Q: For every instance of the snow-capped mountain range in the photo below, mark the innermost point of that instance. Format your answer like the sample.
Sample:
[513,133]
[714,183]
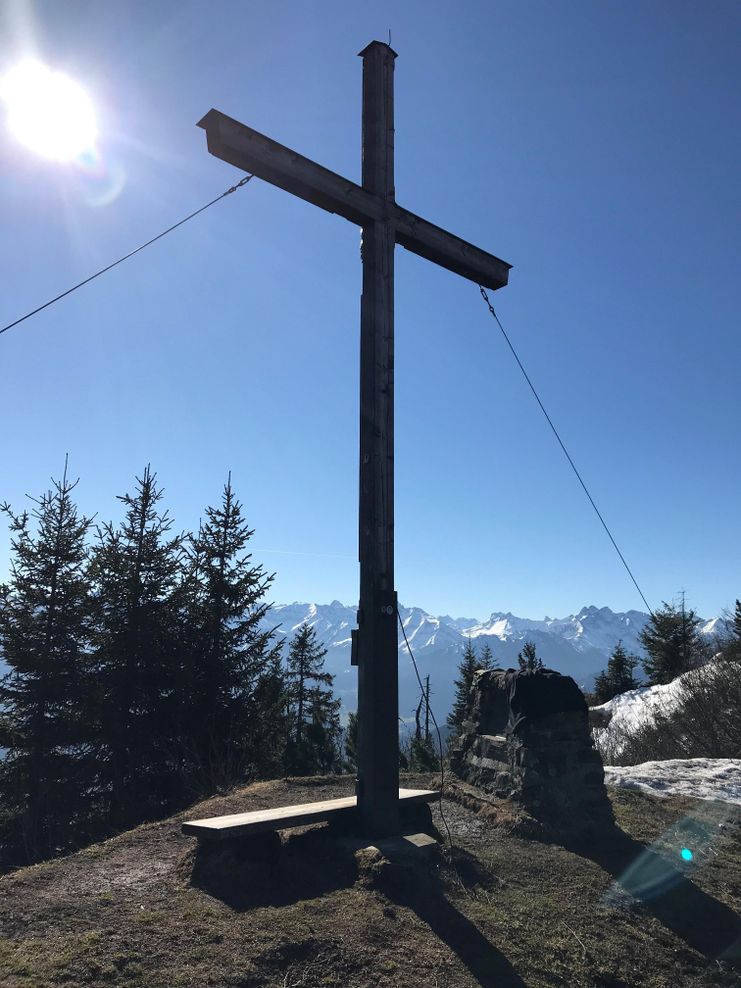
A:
[578,645]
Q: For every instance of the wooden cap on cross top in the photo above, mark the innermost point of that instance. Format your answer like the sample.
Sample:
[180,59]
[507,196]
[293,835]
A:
[377,44]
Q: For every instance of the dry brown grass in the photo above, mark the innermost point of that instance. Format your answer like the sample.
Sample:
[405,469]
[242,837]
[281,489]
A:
[143,910]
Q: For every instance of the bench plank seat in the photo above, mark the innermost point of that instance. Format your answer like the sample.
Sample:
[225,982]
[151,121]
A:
[283,817]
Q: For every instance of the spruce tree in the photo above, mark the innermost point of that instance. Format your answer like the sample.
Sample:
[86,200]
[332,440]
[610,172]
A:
[619,677]
[422,754]
[323,732]
[673,643]
[136,571]
[44,635]
[188,614]
[528,659]
[728,642]
[269,718]
[351,741]
[314,720]
[733,647]
[486,661]
[622,666]
[468,666]
[236,714]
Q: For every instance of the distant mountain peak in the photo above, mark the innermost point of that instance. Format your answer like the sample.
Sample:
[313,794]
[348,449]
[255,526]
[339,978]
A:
[578,645]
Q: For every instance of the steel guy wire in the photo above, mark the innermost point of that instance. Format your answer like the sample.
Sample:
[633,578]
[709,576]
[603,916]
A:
[131,253]
[434,721]
[525,374]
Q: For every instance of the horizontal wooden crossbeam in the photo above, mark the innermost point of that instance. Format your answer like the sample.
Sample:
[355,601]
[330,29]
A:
[284,817]
[251,151]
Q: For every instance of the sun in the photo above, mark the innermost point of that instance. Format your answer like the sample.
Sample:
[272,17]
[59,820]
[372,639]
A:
[48,112]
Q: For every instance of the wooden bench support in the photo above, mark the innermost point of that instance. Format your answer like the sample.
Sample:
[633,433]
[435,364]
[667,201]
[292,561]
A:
[416,817]
[284,817]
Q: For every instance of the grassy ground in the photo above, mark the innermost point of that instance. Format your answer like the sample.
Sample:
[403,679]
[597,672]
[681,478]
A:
[143,910]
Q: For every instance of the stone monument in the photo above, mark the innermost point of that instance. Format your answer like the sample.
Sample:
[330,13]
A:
[526,737]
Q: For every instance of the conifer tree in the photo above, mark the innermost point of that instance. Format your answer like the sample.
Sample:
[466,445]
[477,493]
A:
[351,741]
[619,677]
[422,755]
[188,613]
[468,666]
[731,645]
[486,661]
[270,718]
[728,642]
[136,571]
[237,706]
[44,629]
[323,732]
[673,643]
[528,659]
[314,721]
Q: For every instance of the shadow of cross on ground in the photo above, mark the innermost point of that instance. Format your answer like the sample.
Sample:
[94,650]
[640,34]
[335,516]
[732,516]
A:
[648,876]
[316,862]
[423,891]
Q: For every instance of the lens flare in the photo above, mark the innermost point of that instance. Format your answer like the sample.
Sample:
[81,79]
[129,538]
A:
[686,854]
[48,112]
[98,181]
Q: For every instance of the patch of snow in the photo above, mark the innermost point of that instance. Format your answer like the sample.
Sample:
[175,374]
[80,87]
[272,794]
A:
[701,778]
[631,710]
[714,627]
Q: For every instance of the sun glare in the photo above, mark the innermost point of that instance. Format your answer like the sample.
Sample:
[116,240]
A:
[48,112]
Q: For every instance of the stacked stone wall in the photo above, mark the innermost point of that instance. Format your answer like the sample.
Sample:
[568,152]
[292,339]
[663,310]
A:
[543,757]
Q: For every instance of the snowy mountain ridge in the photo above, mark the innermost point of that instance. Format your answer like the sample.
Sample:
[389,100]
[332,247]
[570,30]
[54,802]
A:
[598,627]
[578,644]
[591,627]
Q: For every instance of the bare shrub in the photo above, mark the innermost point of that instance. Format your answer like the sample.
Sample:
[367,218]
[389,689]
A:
[705,723]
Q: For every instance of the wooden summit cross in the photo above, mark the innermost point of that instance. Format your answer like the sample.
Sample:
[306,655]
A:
[373,207]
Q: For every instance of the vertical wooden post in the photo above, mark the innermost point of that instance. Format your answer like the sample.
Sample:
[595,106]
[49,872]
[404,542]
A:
[378,675]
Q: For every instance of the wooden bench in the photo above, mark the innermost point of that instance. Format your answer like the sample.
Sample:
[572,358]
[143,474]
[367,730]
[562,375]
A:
[283,817]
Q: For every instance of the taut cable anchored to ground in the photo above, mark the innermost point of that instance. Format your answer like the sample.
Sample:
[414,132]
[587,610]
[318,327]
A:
[426,697]
[566,453]
[131,253]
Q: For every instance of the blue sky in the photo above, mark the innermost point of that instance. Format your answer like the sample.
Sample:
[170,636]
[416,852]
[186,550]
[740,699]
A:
[595,146]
